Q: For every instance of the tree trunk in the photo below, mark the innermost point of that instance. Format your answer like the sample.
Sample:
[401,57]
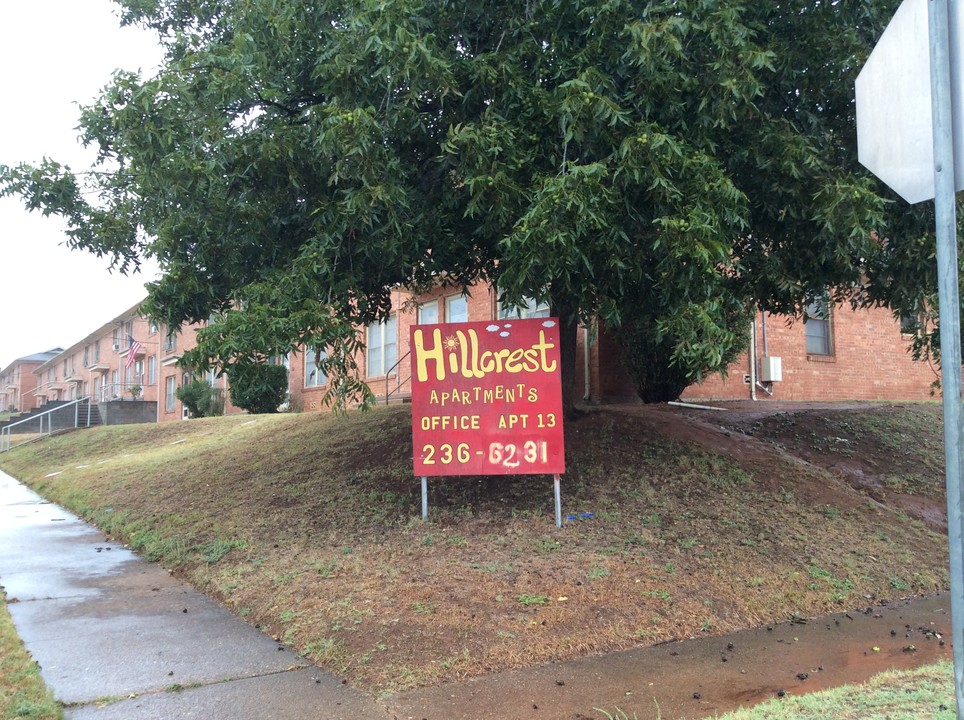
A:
[568,325]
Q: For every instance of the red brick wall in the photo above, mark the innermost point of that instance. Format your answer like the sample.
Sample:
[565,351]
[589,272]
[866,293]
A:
[869,361]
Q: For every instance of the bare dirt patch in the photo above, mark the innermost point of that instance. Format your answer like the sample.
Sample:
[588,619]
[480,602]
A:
[685,523]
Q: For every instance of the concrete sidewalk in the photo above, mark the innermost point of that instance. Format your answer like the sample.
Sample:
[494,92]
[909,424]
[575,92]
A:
[118,638]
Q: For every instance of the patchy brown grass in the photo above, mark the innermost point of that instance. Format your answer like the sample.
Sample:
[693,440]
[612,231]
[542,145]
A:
[308,526]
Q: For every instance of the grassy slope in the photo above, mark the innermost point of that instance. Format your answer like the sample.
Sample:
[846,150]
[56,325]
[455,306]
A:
[309,526]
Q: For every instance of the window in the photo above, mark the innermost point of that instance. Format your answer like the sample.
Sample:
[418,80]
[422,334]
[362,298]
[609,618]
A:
[152,328]
[314,375]
[910,324]
[428,313]
[170,342]
[456,309]
[138,372]
[170,386]
[151,370]
[529,309]
[382,348]
[817,324]
[211,377]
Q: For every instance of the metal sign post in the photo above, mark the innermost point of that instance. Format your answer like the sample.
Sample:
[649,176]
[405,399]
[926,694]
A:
[949,307]
[897,127]
[424,498]
[558,494]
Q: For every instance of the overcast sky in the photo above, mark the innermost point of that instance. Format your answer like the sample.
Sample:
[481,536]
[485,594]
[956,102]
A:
[54,55]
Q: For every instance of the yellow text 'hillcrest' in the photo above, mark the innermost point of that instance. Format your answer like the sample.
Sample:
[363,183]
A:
[465,358]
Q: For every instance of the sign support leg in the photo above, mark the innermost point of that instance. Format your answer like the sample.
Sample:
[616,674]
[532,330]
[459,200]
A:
[558,493]
[424,498]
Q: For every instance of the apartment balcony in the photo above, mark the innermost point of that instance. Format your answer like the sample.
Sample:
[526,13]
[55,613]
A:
[100,366]
[139,354]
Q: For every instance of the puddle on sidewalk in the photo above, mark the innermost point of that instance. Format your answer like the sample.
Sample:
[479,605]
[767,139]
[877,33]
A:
[703,677]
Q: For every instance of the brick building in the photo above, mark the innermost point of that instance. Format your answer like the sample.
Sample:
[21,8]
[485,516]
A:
[18,382]
[838,354]
[100,367]
[95,366]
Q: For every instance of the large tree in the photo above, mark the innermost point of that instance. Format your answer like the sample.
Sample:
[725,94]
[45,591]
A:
[291,163]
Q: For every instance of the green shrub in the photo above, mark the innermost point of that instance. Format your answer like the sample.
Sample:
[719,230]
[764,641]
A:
[201,399]
[258,388]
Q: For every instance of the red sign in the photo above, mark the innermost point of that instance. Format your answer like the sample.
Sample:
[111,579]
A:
[486,398]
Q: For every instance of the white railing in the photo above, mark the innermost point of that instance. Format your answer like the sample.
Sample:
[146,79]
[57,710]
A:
[62,417]
[120,391]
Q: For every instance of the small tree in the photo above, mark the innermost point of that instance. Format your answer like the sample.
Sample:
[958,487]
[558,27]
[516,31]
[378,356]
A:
[256,387]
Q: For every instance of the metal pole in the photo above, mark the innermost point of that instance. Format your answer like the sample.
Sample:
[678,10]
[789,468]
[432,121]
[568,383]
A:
[424,498]
[950,320]
[558,494]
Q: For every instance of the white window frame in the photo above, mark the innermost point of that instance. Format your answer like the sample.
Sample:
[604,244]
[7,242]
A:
[170,387]
[382,347]
[451,310]
[531,309]
[819,327]
[314,375]
[430,308]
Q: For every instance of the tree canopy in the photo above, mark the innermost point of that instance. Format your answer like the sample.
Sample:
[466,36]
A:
[664,162]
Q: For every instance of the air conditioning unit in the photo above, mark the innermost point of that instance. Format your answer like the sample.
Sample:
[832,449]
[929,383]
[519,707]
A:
[116,347]
[771,369]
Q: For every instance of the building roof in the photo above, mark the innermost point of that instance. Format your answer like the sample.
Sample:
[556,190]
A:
[38,357]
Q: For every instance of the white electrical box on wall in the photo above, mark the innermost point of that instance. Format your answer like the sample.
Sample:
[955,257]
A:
[771,370]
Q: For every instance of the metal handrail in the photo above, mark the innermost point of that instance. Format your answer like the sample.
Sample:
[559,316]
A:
[6,431]
[398,380]
[40,388]
[118,390]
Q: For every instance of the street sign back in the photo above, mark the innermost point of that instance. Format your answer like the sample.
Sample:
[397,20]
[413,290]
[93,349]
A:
[895,138]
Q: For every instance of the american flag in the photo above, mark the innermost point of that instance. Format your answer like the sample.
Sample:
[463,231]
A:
[133,347]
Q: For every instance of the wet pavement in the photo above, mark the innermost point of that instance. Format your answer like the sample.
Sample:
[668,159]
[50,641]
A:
[118,638]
